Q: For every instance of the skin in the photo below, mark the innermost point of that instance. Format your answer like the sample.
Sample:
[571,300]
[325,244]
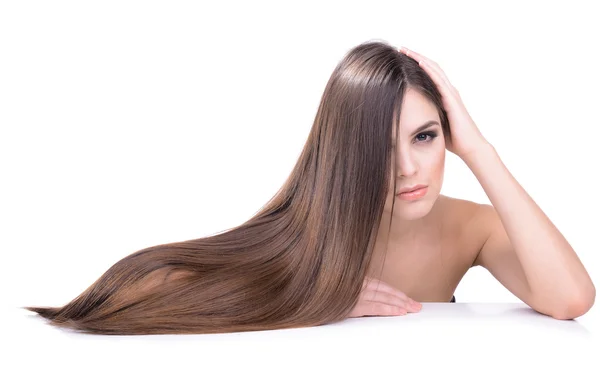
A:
[420,161]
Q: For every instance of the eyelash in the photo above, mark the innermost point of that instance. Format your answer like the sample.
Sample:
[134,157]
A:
[431,134]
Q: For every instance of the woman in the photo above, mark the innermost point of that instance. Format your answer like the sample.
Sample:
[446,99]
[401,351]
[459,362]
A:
[341,238]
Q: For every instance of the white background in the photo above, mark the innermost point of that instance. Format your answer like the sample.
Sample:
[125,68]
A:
[129,124]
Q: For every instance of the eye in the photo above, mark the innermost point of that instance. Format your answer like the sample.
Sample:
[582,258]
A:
[431,134]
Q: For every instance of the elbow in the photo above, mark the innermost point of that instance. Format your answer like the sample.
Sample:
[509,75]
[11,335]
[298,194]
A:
[577,306]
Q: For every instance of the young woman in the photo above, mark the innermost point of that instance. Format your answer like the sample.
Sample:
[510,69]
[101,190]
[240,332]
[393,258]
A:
[358,229]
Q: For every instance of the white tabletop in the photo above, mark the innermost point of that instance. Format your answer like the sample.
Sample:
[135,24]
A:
[461,334]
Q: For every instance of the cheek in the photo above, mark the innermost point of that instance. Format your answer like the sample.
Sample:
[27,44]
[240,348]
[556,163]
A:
[434,153]
[439,164]
[434,161]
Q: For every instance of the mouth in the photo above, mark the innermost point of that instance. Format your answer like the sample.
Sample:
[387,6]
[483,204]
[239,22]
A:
[410,189]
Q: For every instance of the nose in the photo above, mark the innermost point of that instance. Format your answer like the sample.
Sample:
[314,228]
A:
[407,165]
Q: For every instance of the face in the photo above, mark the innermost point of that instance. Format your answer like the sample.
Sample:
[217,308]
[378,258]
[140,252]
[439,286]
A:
[420,157]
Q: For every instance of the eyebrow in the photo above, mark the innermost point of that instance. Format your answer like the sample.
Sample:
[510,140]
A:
[426,125]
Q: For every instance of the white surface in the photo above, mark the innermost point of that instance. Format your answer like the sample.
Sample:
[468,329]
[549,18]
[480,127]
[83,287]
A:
[477,334]
[126,124]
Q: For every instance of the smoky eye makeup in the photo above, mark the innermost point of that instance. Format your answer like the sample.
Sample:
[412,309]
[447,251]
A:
[432,134]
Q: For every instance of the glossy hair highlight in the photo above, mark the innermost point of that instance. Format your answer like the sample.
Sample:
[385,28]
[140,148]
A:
[301,260]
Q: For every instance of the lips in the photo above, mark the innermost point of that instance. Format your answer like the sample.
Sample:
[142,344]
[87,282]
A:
[409,189]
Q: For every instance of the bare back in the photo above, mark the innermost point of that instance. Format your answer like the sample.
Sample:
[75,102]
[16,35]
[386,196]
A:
[429,267]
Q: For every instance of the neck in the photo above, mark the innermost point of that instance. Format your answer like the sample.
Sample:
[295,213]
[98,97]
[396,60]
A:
[401,230]
[406,231]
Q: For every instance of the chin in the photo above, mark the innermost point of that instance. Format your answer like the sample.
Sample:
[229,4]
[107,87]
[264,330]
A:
[409,210]
[412,213]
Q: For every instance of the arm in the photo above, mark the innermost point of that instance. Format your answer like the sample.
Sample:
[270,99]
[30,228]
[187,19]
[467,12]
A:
[524,250]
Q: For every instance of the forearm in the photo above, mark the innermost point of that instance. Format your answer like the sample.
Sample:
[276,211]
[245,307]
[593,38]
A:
[552,268]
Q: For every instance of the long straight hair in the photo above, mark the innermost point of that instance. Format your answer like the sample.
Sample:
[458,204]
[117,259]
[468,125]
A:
[300,261]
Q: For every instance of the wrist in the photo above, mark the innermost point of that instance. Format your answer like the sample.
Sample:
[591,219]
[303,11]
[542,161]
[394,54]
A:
[481,151]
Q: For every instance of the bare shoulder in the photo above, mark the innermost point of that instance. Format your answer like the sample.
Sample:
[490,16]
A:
[458,212]
[465,218]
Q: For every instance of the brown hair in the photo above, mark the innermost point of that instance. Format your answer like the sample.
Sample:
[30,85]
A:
[301,259]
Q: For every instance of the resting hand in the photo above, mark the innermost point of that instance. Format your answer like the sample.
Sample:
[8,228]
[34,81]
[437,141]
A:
[380,299]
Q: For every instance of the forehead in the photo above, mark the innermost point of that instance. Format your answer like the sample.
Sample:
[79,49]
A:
[416,110]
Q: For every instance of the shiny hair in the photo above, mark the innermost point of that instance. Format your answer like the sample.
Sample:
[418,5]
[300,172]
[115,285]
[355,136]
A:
[301,260]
